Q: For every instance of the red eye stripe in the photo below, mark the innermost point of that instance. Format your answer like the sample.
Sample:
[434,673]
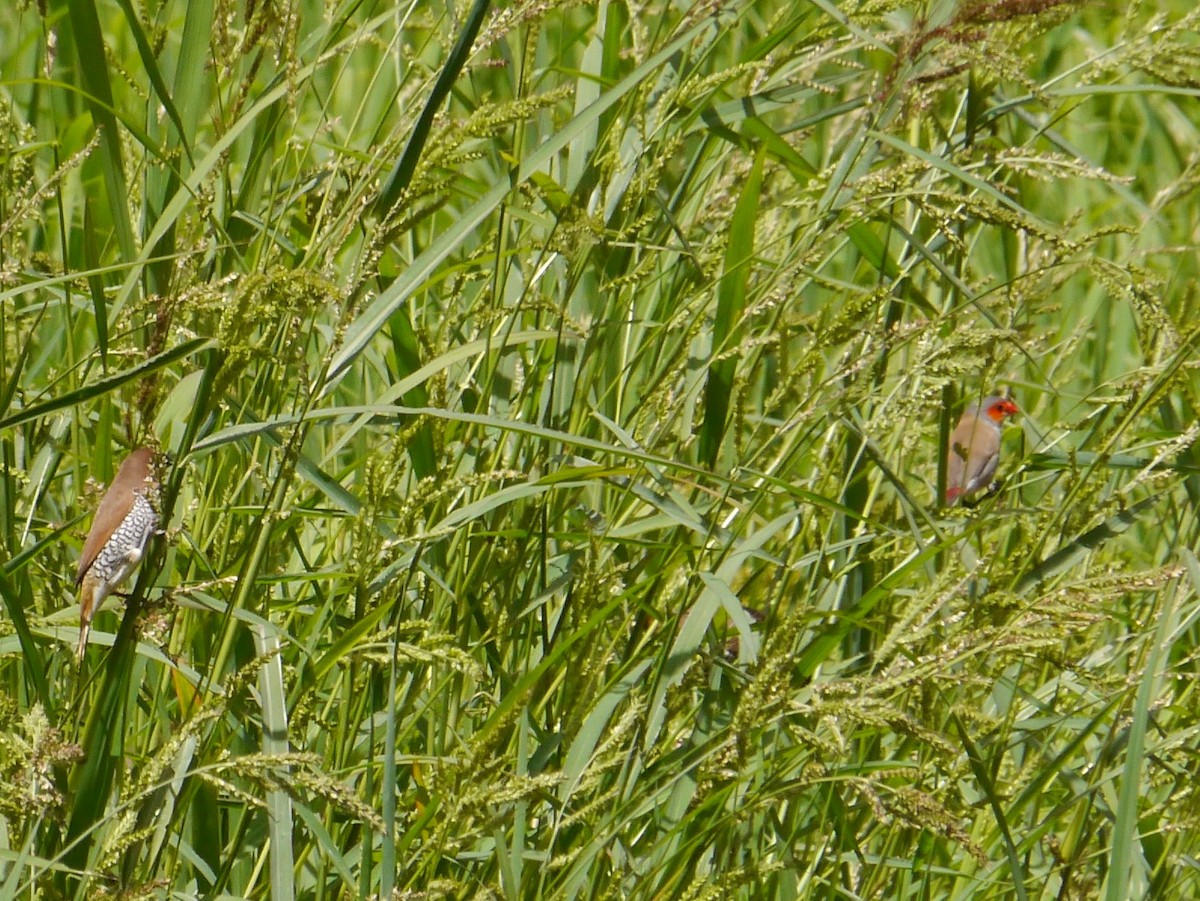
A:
[1001,409]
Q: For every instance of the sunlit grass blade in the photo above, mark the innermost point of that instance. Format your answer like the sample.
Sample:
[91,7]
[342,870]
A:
[1080,546]
[557,399]
[280,822]
[371,321]
[1016,871]
[1124,879]
[89,44]
[35,664]
[402,174]
[731,304]
[103,386]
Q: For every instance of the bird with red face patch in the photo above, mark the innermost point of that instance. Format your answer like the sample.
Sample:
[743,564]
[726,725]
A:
[974,450]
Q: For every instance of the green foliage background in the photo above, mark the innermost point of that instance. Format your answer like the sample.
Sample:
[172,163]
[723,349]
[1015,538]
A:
[556,396]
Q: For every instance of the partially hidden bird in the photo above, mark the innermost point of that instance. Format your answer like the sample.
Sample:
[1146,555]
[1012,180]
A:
[974,450]
[124,522]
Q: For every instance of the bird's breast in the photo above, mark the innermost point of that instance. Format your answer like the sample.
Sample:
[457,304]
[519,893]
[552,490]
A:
[125,546]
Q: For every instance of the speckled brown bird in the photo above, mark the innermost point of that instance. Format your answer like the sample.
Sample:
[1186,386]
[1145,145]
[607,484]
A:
[124,521]
[974,450]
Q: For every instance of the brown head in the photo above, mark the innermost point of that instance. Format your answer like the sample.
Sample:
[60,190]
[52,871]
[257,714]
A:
[136,475]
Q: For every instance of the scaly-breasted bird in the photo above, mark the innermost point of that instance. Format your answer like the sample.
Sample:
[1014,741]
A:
[124,521]
[975,447]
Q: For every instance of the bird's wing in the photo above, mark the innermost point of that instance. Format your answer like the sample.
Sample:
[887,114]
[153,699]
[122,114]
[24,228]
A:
[111,513]
[983,458]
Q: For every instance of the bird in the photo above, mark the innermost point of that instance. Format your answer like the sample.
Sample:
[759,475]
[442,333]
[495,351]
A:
[124,522]
[974,448]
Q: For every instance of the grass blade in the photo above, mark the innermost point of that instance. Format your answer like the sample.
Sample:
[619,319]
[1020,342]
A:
[731,304]
[402,174]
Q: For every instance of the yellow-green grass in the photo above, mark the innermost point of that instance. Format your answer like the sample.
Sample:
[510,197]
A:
[514,361]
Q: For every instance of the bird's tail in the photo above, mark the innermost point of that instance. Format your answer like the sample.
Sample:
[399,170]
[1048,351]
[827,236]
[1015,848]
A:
[87,606]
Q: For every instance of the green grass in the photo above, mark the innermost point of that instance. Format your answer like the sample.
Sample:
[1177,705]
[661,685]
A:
[556,396]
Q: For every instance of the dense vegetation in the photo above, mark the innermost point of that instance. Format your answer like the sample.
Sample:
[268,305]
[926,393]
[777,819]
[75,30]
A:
[557,397]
